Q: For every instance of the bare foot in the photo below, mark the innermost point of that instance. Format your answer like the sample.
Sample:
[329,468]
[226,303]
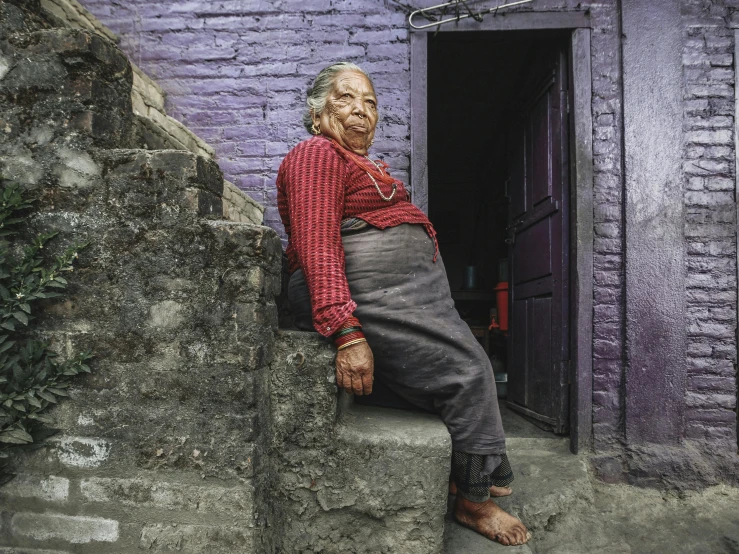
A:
[491,521]
[495,492]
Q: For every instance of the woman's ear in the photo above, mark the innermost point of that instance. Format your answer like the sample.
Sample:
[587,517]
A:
[316,128]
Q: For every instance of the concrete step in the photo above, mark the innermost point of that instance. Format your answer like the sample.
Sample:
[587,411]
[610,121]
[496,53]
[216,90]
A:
[353,480]
[550,481]
[395,471]
[551,484]
[361,479]
[161,186]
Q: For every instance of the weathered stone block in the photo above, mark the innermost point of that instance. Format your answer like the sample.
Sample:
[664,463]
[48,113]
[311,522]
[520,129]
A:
[184,168]
[335,480]
[71,529]
[48,488]
[195,539]
[175,496]
[94,74]
[303,390]
[81,452]
[71,43]
[20,550]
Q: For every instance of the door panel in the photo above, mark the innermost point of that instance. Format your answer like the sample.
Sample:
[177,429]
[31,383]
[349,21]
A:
[541,175]
[518,172]
[538,229]
[540,382]
[537,238]
[518,345]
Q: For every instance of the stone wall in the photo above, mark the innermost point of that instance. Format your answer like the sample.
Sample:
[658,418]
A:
[159,447]
[202,428]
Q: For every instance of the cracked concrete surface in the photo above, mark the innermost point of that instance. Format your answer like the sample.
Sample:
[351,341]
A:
[570,513]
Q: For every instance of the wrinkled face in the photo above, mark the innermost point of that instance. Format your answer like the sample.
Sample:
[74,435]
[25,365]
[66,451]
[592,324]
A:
[350,115]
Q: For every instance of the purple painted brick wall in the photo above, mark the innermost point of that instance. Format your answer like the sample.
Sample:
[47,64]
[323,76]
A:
[236,73]
[710,230]
[608,260]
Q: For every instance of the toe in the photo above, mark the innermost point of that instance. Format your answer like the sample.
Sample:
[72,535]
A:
[520,534]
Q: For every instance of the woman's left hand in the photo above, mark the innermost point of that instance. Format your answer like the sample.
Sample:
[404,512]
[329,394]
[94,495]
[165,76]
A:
[355,368]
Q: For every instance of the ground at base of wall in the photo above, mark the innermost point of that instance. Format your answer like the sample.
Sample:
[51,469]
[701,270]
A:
[630,520]
[571,512]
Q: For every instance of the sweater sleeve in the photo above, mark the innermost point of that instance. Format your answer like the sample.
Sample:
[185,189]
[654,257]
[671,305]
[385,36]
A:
[314,180]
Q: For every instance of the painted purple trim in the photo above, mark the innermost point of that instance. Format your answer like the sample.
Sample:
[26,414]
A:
[581,260]
[656,336]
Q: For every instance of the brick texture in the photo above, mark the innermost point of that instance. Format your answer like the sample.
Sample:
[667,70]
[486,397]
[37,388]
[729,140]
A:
[710,222]
[608,262]
[236,73]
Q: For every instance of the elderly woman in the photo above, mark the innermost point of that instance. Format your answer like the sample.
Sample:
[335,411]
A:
[366,272]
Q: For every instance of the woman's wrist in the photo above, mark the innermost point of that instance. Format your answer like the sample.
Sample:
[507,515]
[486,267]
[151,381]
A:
[349,334]
[351,343]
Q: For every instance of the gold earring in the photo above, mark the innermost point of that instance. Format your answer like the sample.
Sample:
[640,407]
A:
[316,130]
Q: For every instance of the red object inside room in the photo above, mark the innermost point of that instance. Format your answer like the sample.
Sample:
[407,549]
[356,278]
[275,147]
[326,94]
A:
[501,300]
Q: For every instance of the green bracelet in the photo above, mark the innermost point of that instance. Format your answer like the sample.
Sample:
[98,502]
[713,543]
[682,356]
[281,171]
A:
[346,331]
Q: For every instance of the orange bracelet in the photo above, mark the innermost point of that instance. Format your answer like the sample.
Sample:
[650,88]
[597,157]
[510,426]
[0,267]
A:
[352,343]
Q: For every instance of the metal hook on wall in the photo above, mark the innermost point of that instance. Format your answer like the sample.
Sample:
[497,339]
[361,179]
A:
[457,3]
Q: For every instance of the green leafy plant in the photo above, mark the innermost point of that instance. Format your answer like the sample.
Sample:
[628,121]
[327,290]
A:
[32,376]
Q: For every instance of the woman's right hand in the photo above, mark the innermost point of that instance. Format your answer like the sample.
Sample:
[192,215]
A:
[355,368]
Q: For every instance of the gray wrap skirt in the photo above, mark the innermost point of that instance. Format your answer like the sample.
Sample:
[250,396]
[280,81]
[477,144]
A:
[424,352]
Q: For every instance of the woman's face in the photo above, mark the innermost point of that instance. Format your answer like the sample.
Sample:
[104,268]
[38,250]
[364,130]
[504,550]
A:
[350,115]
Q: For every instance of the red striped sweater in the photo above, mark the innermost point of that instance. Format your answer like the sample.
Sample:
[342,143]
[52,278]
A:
[318,185]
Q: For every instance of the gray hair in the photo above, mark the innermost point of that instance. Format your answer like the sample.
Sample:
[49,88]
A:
[322,86]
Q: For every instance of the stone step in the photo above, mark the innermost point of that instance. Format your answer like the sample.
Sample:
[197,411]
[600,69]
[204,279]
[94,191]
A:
[357,480]
[67,80]
[551,484]
[78,77]
[155,129]
[159,186]
[74,78]
[370,478]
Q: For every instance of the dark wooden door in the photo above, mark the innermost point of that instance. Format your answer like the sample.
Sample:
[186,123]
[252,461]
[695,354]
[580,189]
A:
[539,244]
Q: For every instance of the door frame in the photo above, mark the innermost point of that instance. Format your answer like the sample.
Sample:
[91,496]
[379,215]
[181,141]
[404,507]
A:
[581,183]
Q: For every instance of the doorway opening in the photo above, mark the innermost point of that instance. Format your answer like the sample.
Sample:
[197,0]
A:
[498,196]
